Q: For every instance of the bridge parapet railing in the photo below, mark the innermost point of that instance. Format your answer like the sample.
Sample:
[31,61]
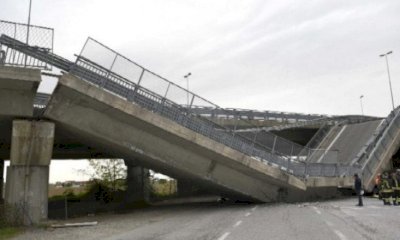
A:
[40,37]
[115,73]
[157,103]
[373,153]
[250,114]
[119,75]
[362,157]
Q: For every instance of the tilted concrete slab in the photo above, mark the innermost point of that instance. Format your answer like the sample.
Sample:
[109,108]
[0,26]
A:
[380,159]
[347,141]
[127,130]
[17,90]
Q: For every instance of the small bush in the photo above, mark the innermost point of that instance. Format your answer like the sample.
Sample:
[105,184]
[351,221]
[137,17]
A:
[99,192]
[11,215]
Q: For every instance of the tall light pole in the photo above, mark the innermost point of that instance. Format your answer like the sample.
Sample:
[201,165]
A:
[362,109]
[187,81]
[387,66]
[27,31]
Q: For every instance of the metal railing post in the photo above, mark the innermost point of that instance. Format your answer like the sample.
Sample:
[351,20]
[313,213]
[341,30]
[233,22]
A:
[273,145]
[141,76]
[254,142]
[305,168]
[235,120]
[290,157]
[191,102]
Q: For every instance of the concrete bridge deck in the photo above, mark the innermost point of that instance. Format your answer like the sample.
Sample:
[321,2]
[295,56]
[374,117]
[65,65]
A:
[129,131]
[346,140]
[194,157]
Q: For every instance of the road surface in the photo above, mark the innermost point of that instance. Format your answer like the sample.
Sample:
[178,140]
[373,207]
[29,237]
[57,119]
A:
[331,220]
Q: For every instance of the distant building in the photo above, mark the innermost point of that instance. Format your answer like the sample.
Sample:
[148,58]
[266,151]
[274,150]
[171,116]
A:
[71,184]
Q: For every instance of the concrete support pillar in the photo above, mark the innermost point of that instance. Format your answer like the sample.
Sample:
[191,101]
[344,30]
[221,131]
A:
[138,183]
[185,188]
[1,179]
[28,174]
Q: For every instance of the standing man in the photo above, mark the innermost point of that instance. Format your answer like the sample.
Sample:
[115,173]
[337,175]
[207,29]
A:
[396,188]
[386,189]
[358,189]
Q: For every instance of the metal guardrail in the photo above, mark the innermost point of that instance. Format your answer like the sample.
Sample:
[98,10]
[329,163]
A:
[371,154]
[362,157]
[320,135]
[249,114]
[166,99]
[315,122]
[41,100]
[40,54]
[132,92]
[131,77]
[40,37]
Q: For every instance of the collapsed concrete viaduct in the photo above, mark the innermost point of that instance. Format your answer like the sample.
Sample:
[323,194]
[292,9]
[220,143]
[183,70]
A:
[127,131]
[96,113]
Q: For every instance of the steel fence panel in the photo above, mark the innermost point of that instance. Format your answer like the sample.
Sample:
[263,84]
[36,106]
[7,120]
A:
[40,37]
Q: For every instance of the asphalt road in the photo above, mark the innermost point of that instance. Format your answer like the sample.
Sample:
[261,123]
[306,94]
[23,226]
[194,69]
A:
[336,220]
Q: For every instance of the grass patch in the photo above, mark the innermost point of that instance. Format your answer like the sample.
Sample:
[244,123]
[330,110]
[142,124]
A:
[9,232]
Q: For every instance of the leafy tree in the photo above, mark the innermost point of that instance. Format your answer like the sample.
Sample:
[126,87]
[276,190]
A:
[109,172]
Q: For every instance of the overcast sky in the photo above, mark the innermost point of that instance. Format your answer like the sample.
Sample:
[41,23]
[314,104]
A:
[299,56]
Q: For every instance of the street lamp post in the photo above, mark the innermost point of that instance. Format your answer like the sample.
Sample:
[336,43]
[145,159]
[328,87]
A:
[362,108]
[387,66]
[187,82]
[27,30]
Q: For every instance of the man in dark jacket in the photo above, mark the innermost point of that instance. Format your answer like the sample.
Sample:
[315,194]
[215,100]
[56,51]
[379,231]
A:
[358,189]
[396,189]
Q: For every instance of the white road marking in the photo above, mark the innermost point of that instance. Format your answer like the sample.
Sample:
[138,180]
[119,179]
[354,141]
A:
[316,210]
[237,223]
[225,235]
[340,234]
[333,142]
[247,214]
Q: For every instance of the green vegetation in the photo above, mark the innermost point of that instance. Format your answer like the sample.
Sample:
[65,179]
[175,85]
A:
[6,229]
[163,188]
[108,173]
[8,232]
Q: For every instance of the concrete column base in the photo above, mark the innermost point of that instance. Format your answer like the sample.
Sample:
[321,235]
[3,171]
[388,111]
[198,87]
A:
[186,188]
[26,196]
[138,184]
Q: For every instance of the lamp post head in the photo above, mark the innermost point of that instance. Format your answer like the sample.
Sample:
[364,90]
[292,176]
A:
[187,75]
[385,54]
